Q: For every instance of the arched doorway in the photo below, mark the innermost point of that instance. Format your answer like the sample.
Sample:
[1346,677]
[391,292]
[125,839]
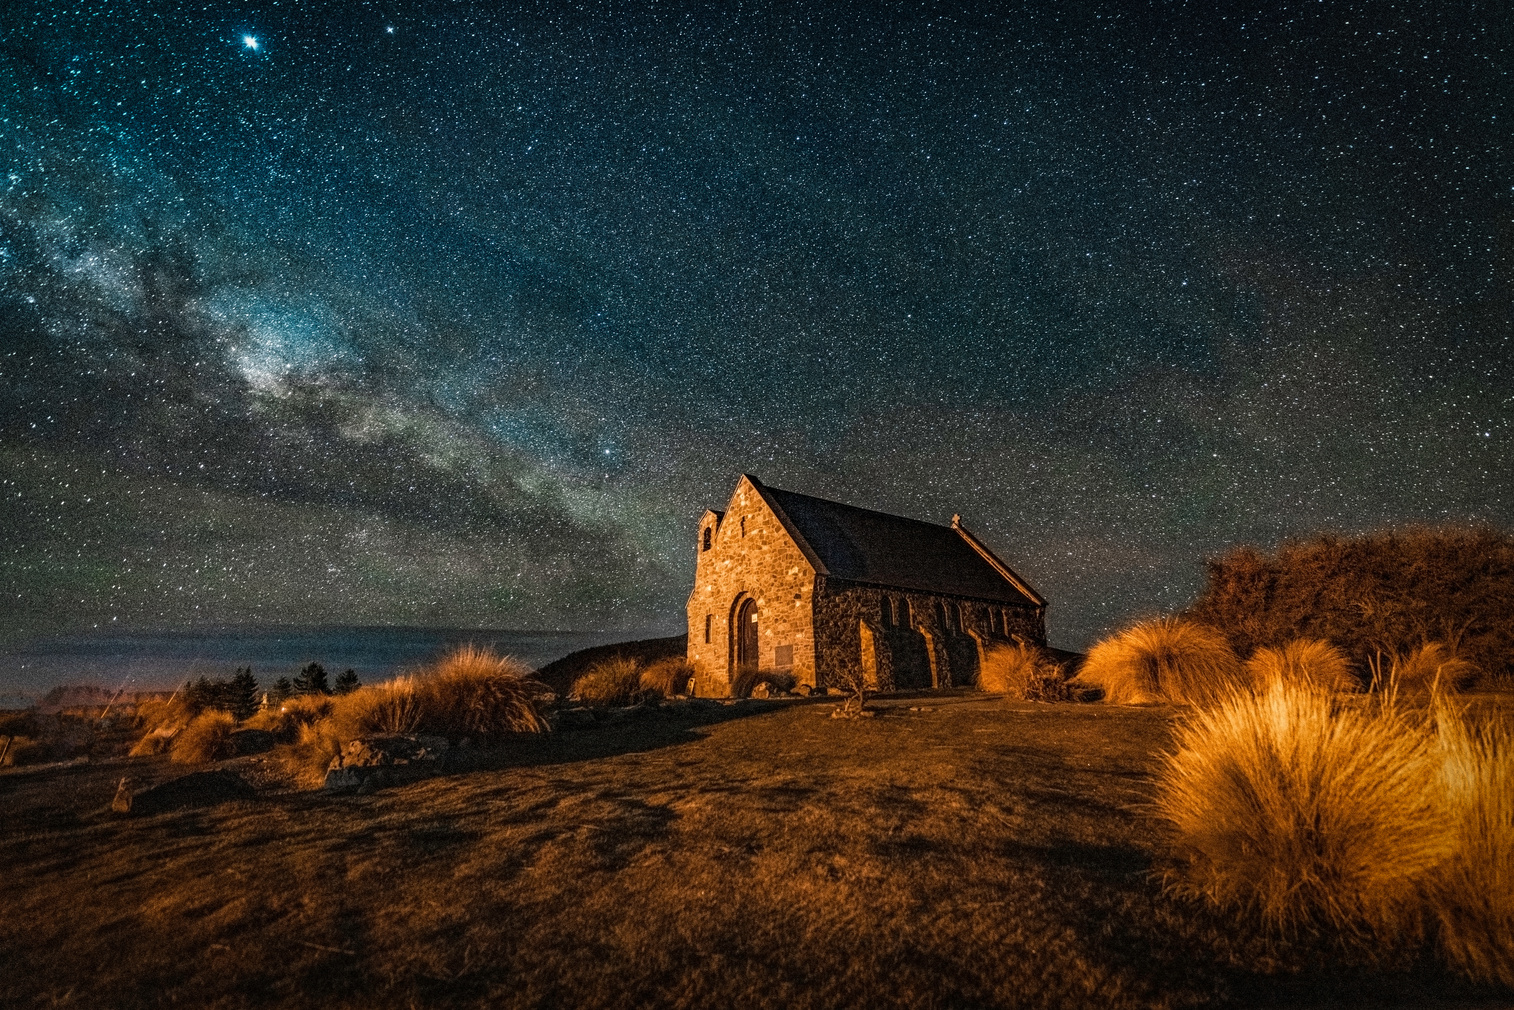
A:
[746,636]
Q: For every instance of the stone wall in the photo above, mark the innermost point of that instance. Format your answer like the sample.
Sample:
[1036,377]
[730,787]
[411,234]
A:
[925,652]
[751,556]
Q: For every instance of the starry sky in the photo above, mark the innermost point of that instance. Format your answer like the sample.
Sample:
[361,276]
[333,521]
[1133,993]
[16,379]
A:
[459,315]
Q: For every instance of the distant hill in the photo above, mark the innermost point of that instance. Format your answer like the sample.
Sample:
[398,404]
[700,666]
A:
[560,673]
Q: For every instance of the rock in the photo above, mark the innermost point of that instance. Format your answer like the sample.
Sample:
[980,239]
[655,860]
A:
[834,692]
[367,763]
[197,789]
[122,803]
[804,690]
[762,690]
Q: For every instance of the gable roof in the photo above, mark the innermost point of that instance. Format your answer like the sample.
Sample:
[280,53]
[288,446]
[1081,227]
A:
[861,545]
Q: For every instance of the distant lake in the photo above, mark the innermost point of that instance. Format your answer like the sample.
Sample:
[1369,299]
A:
[162,660]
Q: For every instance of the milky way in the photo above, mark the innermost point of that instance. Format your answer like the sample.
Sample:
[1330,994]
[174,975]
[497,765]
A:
[439,315]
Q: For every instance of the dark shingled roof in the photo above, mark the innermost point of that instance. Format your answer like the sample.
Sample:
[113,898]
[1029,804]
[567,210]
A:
[865,546]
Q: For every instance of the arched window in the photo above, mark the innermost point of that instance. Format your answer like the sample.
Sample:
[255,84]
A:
[941,616]
[708,619]
[706,538]
[888,612]
[905,620]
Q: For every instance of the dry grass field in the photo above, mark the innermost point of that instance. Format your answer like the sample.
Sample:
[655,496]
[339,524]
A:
[955,851]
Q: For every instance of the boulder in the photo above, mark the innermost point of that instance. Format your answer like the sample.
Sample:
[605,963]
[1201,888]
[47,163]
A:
[197,789]
[372,761]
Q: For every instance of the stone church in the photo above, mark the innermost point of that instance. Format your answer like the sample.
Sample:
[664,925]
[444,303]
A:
[790,584]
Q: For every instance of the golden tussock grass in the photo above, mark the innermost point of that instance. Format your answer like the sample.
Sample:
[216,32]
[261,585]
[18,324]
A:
[470,693]
[1370,819]
[1304,812]
[1021,671]
[1472,894]
[1166,659]
[207,738]
[615,681]
[1431,668]
[667,677]
[1309,662]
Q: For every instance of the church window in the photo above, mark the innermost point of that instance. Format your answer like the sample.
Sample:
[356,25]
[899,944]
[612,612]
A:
[708,619]
[743,525]
[706,538]
[905,620]
[888,611]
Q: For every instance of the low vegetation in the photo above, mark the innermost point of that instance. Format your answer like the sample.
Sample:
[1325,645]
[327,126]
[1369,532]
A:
[206,738]
[1305,662]
[1167,659]
[1023,671]
[1472,893]
[1370,819]
[614,681]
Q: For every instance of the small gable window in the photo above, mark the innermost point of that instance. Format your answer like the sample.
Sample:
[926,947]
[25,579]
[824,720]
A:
[706,545]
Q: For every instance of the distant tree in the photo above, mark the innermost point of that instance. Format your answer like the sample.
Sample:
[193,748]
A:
[201,694]
[281,691]
[242,694]
[312,680]
[347,682]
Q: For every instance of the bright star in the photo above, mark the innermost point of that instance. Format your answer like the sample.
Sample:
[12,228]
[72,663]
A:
[250,41]
[390,29]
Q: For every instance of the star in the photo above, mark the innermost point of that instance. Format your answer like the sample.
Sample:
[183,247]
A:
[250,41]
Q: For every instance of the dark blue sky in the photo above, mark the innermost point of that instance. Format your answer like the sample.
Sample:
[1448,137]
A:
[458,315]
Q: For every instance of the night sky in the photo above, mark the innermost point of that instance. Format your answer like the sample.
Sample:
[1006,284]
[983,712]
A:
[452,315]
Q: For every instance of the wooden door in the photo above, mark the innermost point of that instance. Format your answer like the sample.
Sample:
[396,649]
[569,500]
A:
[746,636]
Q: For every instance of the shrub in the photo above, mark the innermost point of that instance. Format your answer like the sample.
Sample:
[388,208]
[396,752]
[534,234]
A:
[1165,659]
[614,681]
[1384,593]
[1307,662]
[667,677]
[1022,671]
[1430,669]
[206,738]
[1472,895]
[1304,813]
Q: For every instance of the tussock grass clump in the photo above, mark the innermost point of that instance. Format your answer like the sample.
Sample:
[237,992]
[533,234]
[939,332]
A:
[1308,662]
[207,738]
[1167,659]
[1472,894]
[614,681]
[1022,671]
[473,692]
[1430,669]
[1305,813]
[667,677]
[285,720]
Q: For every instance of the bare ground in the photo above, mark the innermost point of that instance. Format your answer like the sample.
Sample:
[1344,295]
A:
[955,851]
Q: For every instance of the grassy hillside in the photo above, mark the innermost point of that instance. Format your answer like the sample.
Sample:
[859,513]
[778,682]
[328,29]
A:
[954,851]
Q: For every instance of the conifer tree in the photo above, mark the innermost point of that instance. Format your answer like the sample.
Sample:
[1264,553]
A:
[312,680]
[281,691]
[347,682]
[242,694]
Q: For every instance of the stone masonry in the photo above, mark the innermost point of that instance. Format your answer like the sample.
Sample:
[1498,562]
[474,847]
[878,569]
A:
[815,627]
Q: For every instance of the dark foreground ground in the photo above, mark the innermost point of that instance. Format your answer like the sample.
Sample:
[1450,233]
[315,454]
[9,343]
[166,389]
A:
[953,852]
